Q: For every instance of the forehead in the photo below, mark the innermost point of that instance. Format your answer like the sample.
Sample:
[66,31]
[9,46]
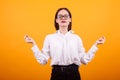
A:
[63,12]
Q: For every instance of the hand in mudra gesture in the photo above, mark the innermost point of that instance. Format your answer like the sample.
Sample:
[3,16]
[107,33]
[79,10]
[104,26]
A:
[28,39]
[101,40]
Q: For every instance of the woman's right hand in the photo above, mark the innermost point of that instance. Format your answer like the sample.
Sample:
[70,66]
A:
[28,39]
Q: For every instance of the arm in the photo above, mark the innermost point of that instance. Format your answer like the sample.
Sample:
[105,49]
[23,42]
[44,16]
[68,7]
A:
[41,57]
[87,57]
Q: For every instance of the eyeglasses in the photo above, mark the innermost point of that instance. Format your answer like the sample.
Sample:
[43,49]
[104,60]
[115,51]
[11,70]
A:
[60,16]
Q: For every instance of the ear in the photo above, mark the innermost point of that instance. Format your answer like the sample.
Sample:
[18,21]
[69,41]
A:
[56,20]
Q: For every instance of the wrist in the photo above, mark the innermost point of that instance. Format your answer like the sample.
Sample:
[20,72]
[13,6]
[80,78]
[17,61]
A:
[34,43]
[96,43]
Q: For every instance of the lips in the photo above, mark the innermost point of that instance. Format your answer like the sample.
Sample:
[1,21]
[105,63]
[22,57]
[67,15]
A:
[63,21]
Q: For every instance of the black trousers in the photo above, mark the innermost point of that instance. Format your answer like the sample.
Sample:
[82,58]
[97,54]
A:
[69,72]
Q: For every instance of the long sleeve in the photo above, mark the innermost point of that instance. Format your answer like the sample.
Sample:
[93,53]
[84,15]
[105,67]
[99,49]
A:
[42,56]
[86,57]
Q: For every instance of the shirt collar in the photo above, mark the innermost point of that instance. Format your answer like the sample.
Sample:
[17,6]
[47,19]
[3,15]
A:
[69,32]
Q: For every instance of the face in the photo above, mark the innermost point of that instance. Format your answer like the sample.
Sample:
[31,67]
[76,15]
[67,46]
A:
[63,18]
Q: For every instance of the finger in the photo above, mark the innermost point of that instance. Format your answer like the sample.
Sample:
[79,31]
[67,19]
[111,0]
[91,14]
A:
[103,37]
[26,36]
[100,39]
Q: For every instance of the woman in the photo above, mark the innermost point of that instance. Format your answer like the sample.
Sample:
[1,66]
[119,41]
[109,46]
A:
[64,48]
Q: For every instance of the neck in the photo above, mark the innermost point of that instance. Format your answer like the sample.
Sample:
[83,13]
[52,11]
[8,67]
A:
[63,30]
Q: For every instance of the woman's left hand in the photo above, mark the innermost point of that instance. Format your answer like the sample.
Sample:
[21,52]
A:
[101,40]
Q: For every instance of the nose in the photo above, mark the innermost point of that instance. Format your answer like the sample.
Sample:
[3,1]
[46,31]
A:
[63,18]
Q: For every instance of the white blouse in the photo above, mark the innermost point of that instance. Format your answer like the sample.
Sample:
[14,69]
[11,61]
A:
[63,50]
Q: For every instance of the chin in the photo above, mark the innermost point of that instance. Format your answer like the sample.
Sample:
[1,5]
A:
[64,24]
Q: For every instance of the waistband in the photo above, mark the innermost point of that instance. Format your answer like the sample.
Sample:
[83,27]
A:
[67,66]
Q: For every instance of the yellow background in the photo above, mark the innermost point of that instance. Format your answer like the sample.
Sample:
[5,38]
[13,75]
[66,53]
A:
[91,19]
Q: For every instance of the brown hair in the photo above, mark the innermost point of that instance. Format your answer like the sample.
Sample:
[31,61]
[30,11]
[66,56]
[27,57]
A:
[56,24]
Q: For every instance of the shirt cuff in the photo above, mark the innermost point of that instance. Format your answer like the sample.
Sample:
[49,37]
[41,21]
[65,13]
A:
[94,48]
[35,48]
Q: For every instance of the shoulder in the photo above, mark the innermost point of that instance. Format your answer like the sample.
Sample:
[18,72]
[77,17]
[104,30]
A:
[49,36]
[77,37]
